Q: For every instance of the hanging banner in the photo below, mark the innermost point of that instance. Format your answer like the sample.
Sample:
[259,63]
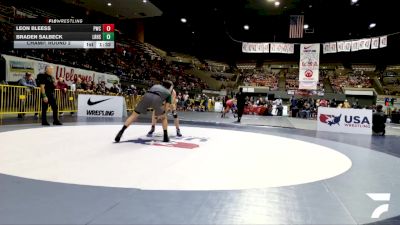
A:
[285,48]
[347,46]
[375,43]
[291,49]
[309,66]
[288,48]
[340,46]
[354,46]
[367,43]
[276,48]
[361,44]
[383,42]
[255,47]
[327,48]
[332,47]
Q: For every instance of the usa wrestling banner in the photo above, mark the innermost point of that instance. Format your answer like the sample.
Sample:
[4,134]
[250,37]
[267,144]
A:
[309,66]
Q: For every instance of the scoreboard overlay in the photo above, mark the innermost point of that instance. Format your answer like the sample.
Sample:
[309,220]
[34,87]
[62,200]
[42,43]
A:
[64,36]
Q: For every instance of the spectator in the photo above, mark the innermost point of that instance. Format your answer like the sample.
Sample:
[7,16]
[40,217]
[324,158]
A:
[30,85]
[346,105]
[62,85]
[333,104]
[378,121]
[78,84]
[115,89]
[28,81]
[323,103]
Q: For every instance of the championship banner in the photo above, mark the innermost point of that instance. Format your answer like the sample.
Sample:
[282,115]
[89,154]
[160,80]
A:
[291,48]
[267,48]
[354,46]
[326,48]
[309,66]
[276,47]
[361,44]
[100,106]
[375,43]
[352,121]
[383,42]
[340,46]
[332,47]
[16,68]
[285,48]
[255,47]
[367,43]
[347,46]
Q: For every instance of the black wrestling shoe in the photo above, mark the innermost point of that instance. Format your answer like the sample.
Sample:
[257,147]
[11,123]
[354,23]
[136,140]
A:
[178,133]
[57,123]
[119,135]
[166,139]
[150,134]
[45,123]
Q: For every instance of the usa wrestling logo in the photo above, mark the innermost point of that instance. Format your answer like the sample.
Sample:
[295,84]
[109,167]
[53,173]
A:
[174,142]
[330,119]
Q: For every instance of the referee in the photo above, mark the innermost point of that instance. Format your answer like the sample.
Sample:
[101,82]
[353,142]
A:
[47,86]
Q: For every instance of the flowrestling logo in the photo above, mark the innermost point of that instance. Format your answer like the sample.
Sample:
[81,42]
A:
[189,142]
[349,120]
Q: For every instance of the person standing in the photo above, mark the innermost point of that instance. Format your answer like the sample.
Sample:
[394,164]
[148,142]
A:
[241,101]
[30,85]
[47,86]
[159,97]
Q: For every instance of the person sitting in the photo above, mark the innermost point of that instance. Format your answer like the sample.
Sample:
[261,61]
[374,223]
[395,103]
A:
[378,121]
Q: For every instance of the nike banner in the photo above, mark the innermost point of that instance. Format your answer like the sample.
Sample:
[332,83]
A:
[340,120]
[309,66]
[100,106]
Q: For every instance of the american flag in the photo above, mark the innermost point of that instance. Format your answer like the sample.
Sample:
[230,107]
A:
[296,26]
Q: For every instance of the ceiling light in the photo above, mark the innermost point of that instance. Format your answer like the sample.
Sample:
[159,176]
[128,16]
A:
[277,4]
[306,26]
[372,25]
[354,1]
[246,27]
[144,1]
[183,20]
[109,4]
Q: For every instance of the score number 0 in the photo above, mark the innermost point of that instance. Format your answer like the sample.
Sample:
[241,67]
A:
[108,27]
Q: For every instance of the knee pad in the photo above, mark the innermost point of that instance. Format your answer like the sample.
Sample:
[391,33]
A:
[175,114]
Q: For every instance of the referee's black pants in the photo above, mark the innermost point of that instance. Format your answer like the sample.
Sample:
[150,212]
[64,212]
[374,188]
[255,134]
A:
[52,102]
[240,110]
